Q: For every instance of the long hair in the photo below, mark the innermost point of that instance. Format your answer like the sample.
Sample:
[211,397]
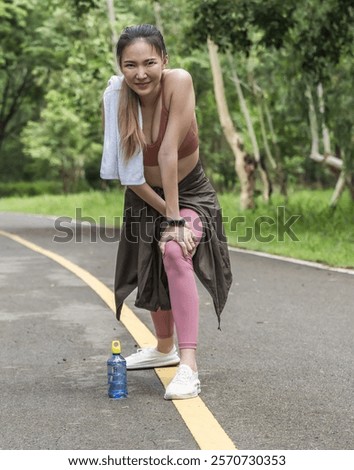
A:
[132,136]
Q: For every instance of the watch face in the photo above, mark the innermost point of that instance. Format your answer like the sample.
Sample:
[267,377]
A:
[179,222]
[176,222]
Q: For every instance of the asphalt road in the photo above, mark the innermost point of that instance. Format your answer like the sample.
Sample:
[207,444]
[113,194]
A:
[278,376]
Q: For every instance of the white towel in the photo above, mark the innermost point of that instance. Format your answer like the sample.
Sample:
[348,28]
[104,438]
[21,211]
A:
[113,165]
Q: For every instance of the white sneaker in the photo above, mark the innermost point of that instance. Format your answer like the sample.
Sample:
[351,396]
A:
[185,384]
[149,358]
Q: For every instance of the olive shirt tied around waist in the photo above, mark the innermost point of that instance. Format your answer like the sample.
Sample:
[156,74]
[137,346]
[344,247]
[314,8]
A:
[139,260]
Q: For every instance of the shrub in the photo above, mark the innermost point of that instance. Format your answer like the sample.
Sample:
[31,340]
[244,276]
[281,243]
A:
[30,188]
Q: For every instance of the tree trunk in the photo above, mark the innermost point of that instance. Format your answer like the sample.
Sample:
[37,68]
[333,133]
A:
[244,165]
[325,132]
[327,158]
[338,190]
[343,179]
[264,133]
[158,20]
[281,175]
[315,155]
[114,36]
[267,187]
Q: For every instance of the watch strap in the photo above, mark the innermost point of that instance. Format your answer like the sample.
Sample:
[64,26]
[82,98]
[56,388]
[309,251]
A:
[175,222]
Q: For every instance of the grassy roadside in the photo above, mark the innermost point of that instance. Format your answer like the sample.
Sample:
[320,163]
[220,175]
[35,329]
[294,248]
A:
[303,227]
[315,231]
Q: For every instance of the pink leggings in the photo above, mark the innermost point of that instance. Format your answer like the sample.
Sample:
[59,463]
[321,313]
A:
[183,291]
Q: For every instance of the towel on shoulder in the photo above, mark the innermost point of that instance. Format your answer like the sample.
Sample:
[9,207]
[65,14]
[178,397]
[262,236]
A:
[113,165]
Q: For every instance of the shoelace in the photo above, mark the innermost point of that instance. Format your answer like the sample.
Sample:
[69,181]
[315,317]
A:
[143,350]
[182,376]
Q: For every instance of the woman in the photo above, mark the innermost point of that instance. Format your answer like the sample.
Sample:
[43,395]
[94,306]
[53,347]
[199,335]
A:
[172,220]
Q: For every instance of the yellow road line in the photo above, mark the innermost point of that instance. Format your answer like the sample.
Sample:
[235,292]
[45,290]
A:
[205,429]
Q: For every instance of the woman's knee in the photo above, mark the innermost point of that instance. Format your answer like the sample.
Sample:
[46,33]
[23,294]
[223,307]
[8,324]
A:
[173,257]
[173,251]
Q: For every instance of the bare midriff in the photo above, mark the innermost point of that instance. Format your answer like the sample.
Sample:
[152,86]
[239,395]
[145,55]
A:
[184,167]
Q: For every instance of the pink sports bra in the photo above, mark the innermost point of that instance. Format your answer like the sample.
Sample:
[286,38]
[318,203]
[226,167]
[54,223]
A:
[188,146]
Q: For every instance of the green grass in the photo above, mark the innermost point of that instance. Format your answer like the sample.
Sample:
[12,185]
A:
[103,207]
[319,234]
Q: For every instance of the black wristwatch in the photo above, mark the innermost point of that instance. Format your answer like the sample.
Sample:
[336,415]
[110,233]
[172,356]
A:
[175,222]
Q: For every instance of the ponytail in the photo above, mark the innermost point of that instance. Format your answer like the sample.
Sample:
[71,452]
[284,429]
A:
[131,134]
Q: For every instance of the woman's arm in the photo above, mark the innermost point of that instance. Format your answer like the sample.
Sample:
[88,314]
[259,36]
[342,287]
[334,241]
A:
[144,191]
[180,116]
[183,235]
[147,194]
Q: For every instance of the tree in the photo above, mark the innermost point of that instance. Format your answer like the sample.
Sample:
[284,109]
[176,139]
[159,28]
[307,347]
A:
[236,27]
[243,165]
[68,131]
[61,138]
[20,93]
[312,37]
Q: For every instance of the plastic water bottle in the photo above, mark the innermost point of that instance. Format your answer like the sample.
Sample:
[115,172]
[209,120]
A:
[117,373]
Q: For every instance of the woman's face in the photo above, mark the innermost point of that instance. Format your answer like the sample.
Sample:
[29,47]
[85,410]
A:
[142,67]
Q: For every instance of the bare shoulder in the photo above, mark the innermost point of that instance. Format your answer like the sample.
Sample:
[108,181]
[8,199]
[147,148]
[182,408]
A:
[177,77]
[179,83]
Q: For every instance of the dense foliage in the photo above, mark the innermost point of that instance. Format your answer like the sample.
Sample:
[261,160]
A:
[55,62]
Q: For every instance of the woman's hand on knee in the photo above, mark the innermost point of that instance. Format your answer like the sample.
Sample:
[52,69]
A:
[183,236]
